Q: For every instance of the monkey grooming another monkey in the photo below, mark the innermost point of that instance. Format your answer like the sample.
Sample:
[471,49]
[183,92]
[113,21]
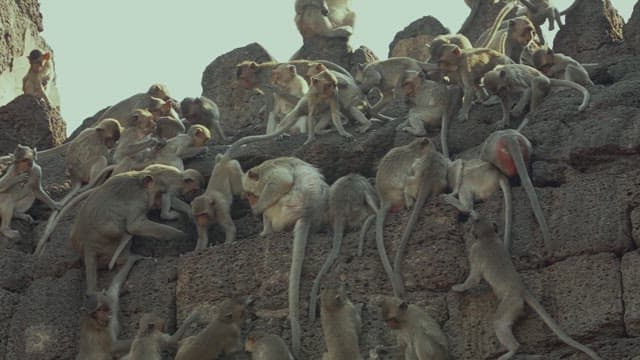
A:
[510,79]
[286,78]
[341,325]
[417,333]
[203,111]
[215,204]
[288,191]
[221,336]
[136,136]
[352,202]
[37,78]
[407,176]
[560,66]
[263,346]
[19,187]
[99,325]
[489,260]
[539,11]
[511,39]
[124,108]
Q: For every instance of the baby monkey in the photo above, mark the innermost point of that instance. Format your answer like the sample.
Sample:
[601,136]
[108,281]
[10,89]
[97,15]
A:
[489,260]
[263,346]
[560,66]
[37,78]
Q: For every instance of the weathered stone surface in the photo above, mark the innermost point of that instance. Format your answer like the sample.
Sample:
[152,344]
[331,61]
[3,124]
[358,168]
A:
[8,303]
[412,40]
[28,120]
[569,290]
[632,30]
[485,17]
[336,50]
[631,292]
[16,268]
[592,31]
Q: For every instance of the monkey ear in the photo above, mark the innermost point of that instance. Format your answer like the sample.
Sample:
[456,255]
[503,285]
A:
[403,306]
[147,181]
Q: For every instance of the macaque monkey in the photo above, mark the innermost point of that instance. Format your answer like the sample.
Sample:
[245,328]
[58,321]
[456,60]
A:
[124,108]
[286,77]
[151,339]
[510,152]
[203,111]
[19,187]
[435,47]
[215,204]
[99,325]
[288,191]
[341,324]
[431,104]
[508,80]
[221,336]
[469,66]
[560,66]
[387,76]
[511,40]
[37,78]
[136,136]
[313,19]
[352,202]
[168,127]
[539,11]
[263,346]
[407,176]
[489,260]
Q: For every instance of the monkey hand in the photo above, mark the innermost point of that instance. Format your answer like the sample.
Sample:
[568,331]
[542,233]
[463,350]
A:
[22,178]
[458,288]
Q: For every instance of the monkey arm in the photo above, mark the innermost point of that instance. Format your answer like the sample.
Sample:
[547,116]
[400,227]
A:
[217,129]
[193,152]
[142,226]
[8,180]
[132,149]
[172,341]
[36,186]
[183,207]
[121,347]
[475,275]
[283,94]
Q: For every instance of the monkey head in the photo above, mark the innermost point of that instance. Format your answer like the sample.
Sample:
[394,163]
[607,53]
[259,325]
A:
[150,323]
[231,312]
[159,91]
[143,120]
[450,57]
[159,179]
[199,134]
[392,310]
[255,180]
[315,69]
[247,75]
[186,107]
[333,297]
[37,59]
[192,182]
[495,81]
[543,59]
[282,74]
[159,107]
[109,131]
[98,307]
[325,84]
[412,81]
[522,30]
[369,78]
[482,228]
[23,158]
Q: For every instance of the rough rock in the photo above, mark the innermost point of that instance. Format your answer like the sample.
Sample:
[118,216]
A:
[20,28]
[8,303]
[631,292]
[28,120]
[592,32]
[336,50]
[486,14]
[632,30]
[412,40]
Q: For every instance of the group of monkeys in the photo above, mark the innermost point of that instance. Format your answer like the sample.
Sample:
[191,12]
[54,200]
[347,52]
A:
[131,161]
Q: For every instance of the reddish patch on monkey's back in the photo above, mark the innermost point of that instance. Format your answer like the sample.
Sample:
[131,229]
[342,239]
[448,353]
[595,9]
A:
[504,159]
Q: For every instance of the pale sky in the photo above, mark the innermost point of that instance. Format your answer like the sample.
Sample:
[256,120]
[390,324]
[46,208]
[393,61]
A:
[106,51]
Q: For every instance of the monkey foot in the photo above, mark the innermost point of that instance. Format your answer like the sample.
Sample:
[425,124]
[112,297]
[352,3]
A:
[11,234]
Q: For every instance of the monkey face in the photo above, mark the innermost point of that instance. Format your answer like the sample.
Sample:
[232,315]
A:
[394,313]
[159,91]
[246,75]
[192,182]
[522,30]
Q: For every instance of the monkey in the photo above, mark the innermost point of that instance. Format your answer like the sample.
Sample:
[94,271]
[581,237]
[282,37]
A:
[136,136]
[121,110]
[286,77]
[203,111]
[435,47]
[431,103]
[510,152]
[469,66]
[263,346]
[387,75]
[341,324]
[417,333]
[352,202]
[222,334]
[37,78]
[159,91]
[313,19]
[509,79]
[539,11]
[288,191]
[489,260]
[559,66]
[512,38]
[19,187]
[215,204]
[99,325]
[151,339]
[168,127]
[407,175]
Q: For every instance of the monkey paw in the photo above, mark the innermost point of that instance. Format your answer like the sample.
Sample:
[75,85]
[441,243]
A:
[458,288]
[347,135]
[265,232]
[171,215]
[363,129]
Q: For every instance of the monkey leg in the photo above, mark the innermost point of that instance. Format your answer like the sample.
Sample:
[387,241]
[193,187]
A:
[165,208]
[90,269]
[225,220]
[124,243]
[363,233]
[272,124]
[540,87]
[365,123]
[467,100]
[463,204]
[24,217]
[525,99]
[113,292]
[267,227]
[558,19]
[509,309]
[145,227]
[416,125]
[474,277]
[539,32]
[311,135]
[505,101]
[6,214]
[385,206]
[577,75]
[335,119]
[444,131]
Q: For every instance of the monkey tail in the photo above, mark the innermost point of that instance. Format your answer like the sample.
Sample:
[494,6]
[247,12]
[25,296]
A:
[44,154]
[338,234]
[516,155]
[300,236]
[496,23]
[380,217]
[586,95]
[288,123]
[529,299]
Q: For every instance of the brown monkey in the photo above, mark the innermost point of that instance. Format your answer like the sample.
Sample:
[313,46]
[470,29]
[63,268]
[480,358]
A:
[539,11]
[418,334]
[263,346]
[215,204]
[286,77]
[313,19]
[341,324]
[288,191]
[387,76]
[121,110]
[510,79]
[406,175]
[352,202]
[560,66]
[168,127]
[510,152]
[512,39]
[221,336]
[489,260]
[99,325]
[136,136]
[469,66]
[203,111]
[19,187]
[37,78]
[151,340]
[431,103]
